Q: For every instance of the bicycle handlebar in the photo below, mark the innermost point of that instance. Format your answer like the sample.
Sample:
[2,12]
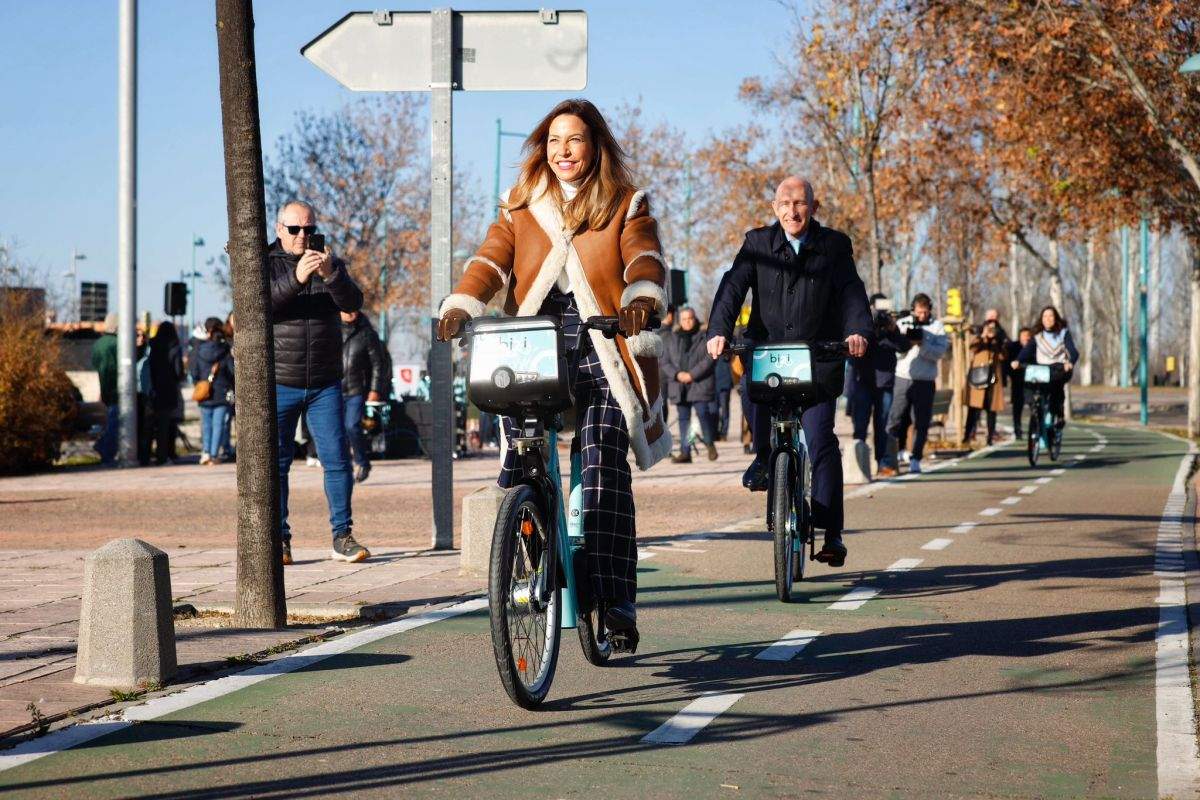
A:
[609,327]
[834,348]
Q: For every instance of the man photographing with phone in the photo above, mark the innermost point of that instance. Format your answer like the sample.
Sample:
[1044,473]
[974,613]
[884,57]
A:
[309,287]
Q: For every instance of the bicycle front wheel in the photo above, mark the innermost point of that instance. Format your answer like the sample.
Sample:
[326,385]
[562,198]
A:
[783,513]
[593,638]
[1035,436]
[524,619]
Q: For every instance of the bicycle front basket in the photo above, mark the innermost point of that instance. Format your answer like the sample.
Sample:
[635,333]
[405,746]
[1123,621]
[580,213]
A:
[781,371]
[1038,373]
[518,366]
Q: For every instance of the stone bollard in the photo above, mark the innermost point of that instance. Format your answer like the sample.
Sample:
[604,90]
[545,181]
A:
[478,520]
[853,470]
[126,632]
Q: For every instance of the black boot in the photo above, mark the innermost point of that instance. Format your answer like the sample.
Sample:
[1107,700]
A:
[756,476]
[833,552]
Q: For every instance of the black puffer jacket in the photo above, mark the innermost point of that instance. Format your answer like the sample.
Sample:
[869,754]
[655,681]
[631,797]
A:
[362,359]
[308,330]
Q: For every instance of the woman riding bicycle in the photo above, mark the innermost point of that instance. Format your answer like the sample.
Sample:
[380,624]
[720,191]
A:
[1052,344]
[574,239]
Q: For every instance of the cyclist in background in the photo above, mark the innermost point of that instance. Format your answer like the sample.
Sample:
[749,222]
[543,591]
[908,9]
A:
[1052,344]
[806,288]
[574,239]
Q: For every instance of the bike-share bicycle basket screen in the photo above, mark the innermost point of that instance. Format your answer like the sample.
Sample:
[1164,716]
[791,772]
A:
[518,366]
[781,371]
[1039,373]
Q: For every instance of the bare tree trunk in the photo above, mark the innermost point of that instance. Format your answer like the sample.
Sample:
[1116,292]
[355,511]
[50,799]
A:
[1014,312]
[873,221]
[1193,364]
[1056,286]
[260,596]
[1089,324]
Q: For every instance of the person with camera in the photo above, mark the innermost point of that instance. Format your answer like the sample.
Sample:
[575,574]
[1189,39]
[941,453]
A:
[211,368]
[806,288]
[869,386]
[364,381]
[916,374]
[309,287]
[985,380]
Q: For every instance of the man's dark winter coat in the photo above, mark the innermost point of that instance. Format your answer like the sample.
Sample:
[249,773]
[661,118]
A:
[815,295]
[308,330]
[362,359]
[685,352]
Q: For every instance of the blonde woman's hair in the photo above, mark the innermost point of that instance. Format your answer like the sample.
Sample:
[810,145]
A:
[604,186]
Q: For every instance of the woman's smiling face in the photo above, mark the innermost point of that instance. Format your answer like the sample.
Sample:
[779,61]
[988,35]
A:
[569,148]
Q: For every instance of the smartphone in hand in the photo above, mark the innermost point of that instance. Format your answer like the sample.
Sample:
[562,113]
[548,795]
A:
[317,242]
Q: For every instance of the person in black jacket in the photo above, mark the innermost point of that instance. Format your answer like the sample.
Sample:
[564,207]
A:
[308,289]
[690,376]
[1015,372]
[806,288]
[166,373]
[869,385]
[364,381]
[212,360]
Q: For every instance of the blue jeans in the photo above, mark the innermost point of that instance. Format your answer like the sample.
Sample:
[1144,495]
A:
[106,445]
[703,412]
[870,405]
[355,404]
[214,429]
[323,408]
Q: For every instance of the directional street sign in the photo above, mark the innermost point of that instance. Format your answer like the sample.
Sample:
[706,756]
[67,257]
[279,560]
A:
[389,51]
[440,51]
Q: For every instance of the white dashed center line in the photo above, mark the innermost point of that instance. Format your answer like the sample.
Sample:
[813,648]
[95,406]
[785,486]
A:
[990,512]
[964,527]
[787,647]
[937,544]
[1010,501]
[681,728]
[904,565]
[1058,471]
[854,599]
[1028,489]
[1043,481]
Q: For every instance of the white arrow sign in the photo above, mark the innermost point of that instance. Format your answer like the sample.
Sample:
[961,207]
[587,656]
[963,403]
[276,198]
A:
[388,51]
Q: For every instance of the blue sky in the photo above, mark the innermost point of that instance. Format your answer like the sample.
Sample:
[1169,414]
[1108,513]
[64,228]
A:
[58,75]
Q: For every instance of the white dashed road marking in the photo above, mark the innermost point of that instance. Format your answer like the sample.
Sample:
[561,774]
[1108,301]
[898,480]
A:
[1010,501]
[681,728]
[937,544]
[990,512]
[854,599]
[787,647]
[1028,489]
[1058,471]
[964,527]
[904,565]
[1043,481]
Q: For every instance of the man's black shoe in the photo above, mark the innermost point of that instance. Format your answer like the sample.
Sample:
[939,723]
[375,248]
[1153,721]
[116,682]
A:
[363,473]
[621,617]
[833,552]
[756,476]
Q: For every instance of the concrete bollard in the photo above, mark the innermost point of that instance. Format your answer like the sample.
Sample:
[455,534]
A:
[126,632]
[478,520]
[855,470]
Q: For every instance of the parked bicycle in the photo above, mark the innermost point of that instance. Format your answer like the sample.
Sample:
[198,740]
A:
[539,581]
[1045,426]
[781,379]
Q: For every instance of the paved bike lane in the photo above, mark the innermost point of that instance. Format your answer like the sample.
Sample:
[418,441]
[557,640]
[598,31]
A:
[1016,659]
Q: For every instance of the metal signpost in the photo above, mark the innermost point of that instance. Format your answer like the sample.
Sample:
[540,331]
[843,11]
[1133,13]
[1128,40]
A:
[127,228]
[440,51]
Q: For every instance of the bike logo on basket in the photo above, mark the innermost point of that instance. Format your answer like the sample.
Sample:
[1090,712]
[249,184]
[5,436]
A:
[781,366]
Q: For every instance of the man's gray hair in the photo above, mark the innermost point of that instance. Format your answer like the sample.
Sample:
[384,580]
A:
[296,204]
[112,322]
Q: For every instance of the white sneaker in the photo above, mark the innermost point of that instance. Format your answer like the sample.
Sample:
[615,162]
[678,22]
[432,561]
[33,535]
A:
[914,466]
[310,461]
[205,458]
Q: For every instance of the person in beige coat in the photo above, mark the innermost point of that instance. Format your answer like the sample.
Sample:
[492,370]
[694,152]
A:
[574,239]
[985,380]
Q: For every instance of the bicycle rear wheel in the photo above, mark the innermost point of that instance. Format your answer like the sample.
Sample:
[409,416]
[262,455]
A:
[1035,434]
[1055,437]
[783,513]
[525,629]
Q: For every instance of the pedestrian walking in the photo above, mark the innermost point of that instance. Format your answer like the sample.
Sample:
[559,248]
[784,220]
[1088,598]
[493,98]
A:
[213,375]
[985,381]
[1015,372]
[690,384]
[806,288]
[309,287]
[871,382]
[916,373]
[575,239]
[166,375]
[104,361]
[363,381]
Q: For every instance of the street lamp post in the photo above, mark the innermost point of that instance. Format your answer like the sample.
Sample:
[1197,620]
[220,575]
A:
[73,274]
[1144,322]
[197,241]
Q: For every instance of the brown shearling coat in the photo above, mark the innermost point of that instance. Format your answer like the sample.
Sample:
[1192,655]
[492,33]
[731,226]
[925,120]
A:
[527,249]
[990,398]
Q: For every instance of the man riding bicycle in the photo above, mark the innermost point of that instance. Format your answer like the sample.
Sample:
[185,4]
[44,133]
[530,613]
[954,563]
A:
[806,288]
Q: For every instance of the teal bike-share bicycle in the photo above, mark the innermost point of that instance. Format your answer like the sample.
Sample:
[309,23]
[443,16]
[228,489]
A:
[781,379]
[1045,434]
[539,581]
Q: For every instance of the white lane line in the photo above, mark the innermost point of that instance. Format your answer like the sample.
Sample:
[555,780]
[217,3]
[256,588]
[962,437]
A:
[787,647]
[645,553]
[990,512]
[681,728]
[904,565]
[168,704]
[964,527]
[1043,481]
[1010,501]
[1028,489]
[1058,471]
[1080,456]
[937,544]
[1096,449]
[1178,759]
[854,599]
[670,548]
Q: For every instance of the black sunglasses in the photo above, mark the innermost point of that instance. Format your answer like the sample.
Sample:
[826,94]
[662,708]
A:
[295,229]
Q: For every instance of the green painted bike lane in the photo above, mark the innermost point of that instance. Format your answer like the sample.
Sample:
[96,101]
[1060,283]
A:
[1000,666]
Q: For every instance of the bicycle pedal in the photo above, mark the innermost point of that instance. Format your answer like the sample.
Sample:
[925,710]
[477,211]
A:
[624,641]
